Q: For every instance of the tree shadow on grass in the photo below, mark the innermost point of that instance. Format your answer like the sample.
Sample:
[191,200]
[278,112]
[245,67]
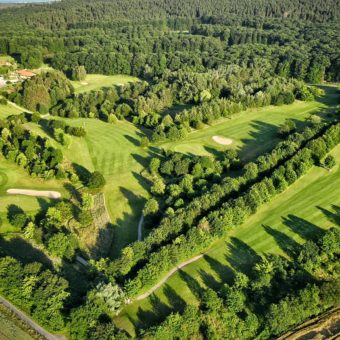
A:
[214,152]
[73,191]
[209,280]
[264,138]
[132,140]
[304,228]
[149,317]
[143,181]
[286,243]
[13,210]
[124,232]
[23,251]
[81,172]
[192,283]
[174,299]
[241,256]
[224,272]
[333,217]
[143,161]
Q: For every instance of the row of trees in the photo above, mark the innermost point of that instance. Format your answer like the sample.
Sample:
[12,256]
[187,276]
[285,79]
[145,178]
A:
[232,213]
[253,306]
[172,226]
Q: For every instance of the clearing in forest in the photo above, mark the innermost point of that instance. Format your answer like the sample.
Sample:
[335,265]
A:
[97,81]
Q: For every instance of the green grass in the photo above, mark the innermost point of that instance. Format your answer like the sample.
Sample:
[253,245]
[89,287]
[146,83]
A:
[114,150]
[253,131]
[12,176]
[97,81]
[298,214]
[10,330]
[9,109]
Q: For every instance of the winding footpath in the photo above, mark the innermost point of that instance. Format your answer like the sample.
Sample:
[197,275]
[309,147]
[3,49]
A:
[165,278]
[22,316]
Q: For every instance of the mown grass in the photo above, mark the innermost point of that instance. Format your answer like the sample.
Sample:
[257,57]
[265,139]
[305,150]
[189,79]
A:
[97,81]
[309,206]
[12,176]
[9,109]
[253,131]
[112,149]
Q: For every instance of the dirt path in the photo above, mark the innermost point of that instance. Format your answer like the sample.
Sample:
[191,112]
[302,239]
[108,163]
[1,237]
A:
[21,315]
[140,225]
[171,272]
[36,193]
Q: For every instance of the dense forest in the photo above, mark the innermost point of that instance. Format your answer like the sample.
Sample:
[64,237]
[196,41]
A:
[198,62]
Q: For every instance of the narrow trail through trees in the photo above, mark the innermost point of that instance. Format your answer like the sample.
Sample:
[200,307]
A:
[165,278]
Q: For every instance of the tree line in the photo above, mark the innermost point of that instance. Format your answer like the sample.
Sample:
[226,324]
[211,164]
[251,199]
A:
[274,296]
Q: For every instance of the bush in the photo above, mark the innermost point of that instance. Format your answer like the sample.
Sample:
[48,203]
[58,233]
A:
[3,101]
[96,180]
[329,162]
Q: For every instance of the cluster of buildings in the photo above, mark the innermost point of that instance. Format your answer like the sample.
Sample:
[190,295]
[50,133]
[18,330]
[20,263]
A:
[13,76]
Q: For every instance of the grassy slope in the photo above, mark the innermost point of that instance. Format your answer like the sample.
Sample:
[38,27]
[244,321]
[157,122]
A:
[9,109]
[301,212]
[114,150]
[9,330]
[96,81]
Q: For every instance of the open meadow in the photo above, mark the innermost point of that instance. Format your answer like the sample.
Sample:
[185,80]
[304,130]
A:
[97,81]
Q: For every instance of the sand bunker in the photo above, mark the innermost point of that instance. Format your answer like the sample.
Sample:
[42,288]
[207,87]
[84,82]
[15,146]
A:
[36,193]
[222,140]
[84,83]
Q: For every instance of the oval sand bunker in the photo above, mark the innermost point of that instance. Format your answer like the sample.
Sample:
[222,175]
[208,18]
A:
[222,140]
[36,193]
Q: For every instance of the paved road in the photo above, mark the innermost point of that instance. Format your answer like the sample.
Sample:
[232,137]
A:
[171,272]
[21,315]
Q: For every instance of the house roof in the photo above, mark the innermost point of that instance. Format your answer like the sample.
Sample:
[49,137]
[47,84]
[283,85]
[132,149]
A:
[25,73]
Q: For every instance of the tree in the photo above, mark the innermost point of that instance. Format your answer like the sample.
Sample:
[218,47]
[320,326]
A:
[154,165]
[62,245]
[151,207]
[329,162]
[111,294]
[287,127]
[96,180]
[78,73]
[144,142]
[159,187]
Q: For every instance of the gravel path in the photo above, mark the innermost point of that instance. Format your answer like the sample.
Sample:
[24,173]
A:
[171,272]
[36,193]
[30,322]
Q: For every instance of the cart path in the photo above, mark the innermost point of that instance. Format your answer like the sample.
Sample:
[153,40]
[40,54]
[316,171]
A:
[140,225]
[171,272]
[21,315]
